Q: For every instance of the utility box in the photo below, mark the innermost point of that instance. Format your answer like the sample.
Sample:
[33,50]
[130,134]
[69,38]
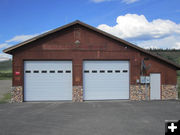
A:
[145,79]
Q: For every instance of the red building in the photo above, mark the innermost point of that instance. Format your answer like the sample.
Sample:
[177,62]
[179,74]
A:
[79,62]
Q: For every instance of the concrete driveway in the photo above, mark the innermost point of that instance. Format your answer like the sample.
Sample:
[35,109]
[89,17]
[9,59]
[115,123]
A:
[88,118]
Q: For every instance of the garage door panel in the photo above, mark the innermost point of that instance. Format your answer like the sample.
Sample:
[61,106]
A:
[47,80]
[106,80]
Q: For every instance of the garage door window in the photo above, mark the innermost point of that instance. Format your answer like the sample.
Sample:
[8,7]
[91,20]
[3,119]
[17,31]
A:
[117,71]
[86,71]
[52,71]
[125,71]
[68,71]
[109,71]
[60,71]
[94,71]
[35,71]
[43,71]
[27,71]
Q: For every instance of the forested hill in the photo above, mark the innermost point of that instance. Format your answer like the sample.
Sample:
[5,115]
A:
[173,55]
[6,65]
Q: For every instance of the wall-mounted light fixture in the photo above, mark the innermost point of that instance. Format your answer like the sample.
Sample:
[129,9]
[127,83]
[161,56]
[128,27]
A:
[77,42]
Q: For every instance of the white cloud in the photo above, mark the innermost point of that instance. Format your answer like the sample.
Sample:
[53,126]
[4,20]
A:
[167,42]
[21,38]
[4,57]
[136,28]
[129,1]
[4,45]
[177,45]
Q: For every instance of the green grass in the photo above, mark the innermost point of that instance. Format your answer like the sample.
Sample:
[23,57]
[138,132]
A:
[6,98]
[5,75]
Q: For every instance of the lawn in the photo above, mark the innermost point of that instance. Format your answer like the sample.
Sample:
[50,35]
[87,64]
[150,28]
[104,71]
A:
[6,75]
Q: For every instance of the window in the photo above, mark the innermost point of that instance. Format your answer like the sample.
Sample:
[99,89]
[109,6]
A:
[117,71]
[125,71]
[43,71]
[36,71]
[27,71]
[68,71]
[52,71]
[102,71]
[86,71]
[60,71]
[109,71]
[94,71]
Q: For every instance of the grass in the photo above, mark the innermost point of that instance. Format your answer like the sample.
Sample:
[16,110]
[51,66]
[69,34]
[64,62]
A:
[6,98]
[6,75]
[5,78]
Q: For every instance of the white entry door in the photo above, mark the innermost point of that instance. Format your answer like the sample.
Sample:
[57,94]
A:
[155,86]
[47,80]
[104,80]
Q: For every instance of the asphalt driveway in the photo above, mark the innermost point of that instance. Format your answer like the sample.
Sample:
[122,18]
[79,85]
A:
[88,118]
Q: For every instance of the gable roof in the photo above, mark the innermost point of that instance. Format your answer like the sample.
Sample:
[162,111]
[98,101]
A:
[13,48]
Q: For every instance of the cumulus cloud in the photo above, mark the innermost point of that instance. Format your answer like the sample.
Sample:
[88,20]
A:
[137,28]
[4,57]
[21,38]
[129,1]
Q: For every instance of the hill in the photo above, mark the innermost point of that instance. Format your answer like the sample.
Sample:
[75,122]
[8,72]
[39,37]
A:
[6,66]
[5,70]
[173,55]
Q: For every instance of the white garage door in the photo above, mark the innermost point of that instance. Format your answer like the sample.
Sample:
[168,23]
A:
[106,80]
[47,80]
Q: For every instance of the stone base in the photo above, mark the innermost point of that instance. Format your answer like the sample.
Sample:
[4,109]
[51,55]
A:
[169,92]
[77,94]
[16,94]
[139,92]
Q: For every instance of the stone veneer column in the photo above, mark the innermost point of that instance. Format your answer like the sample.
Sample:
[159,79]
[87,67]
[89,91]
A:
[169,92]
[138,92]
[16,94]
[77,94]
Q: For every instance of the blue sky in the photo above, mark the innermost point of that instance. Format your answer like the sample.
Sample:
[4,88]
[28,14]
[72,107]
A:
[147,23]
